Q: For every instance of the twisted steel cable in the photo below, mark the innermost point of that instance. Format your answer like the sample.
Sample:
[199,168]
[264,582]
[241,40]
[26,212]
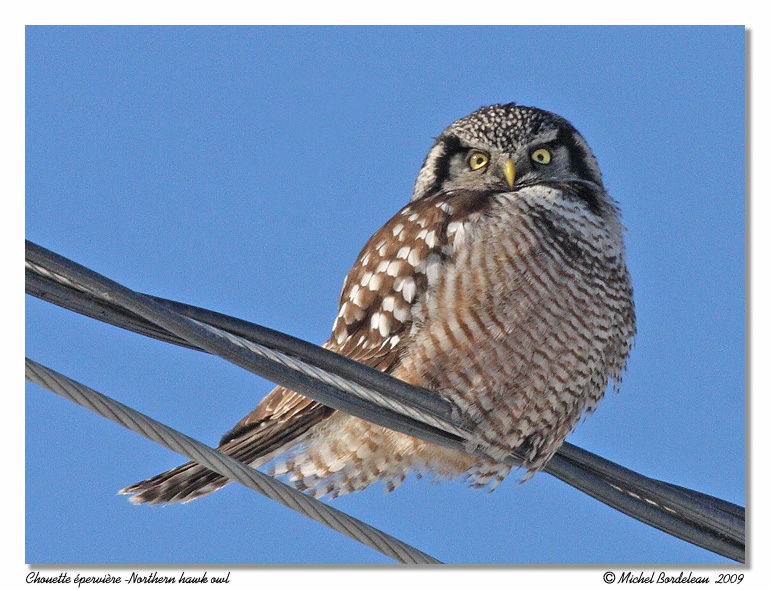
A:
[224,465]
[697,518]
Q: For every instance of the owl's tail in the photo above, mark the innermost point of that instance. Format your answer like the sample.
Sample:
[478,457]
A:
[191,480]
[181,484]
[254,441]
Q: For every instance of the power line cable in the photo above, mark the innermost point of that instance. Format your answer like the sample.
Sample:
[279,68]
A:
[700,519]
[224,465]
[680,500]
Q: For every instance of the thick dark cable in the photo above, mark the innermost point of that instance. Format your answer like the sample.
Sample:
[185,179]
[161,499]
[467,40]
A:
[722,517]
[48,289]
[223,464]
[690,504]
[727,520]
[698,516]
[82,302]
[215,342]
[640,507]
[739,512]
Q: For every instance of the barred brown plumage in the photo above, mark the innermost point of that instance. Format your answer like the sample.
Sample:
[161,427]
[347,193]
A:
[502,285]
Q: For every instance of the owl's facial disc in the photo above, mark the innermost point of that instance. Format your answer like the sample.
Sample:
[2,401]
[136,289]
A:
[476,153]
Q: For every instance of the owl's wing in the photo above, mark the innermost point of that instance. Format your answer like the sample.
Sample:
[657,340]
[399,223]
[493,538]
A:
[376,309]
[375,316]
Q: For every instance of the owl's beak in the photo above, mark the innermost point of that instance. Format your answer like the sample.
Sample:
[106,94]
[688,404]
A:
[509,170]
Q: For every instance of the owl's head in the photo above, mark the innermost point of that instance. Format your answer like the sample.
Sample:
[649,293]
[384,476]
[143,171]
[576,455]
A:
[502,148]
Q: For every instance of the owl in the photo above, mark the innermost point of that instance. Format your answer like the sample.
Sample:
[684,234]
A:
[502,286]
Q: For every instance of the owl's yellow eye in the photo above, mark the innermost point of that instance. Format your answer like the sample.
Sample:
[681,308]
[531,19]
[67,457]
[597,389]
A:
[478,160]
[542,156]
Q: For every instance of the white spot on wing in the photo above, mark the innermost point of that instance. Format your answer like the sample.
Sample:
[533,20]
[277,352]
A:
[409,289]
[401,313]
[394,268]
[375,282]
[384,324]
[430,238]
[458,229]
[414,258]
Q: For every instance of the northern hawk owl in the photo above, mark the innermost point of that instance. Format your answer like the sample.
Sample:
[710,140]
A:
[502,285]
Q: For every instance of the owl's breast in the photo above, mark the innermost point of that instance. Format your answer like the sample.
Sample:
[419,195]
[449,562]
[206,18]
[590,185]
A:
[527,311]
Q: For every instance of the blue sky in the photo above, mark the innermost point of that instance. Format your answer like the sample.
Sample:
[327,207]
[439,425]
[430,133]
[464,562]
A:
[242,169]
